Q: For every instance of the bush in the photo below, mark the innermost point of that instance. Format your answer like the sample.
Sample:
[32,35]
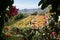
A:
[20,16]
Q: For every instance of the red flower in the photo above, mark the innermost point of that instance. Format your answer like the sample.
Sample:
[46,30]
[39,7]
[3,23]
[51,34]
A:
[13,11]
[54,35]
[8,34]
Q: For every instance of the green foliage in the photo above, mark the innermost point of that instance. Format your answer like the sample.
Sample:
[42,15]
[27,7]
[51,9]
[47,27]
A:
[20,16]
[44,3]
[53,3]
[4,4]
[35,13]
[31,34]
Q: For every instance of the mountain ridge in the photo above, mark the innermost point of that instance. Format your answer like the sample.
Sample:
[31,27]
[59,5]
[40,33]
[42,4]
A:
[30,10]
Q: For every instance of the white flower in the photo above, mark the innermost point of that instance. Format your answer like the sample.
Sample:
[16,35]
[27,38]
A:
[43,33]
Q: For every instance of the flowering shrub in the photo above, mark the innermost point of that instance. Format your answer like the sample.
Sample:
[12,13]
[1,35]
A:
[13,11]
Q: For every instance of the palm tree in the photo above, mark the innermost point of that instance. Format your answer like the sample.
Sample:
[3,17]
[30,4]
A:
[55,6]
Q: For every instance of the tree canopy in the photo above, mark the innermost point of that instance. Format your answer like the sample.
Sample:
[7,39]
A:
[4,4]
[54,3]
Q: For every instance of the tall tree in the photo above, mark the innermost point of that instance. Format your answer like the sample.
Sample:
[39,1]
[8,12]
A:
[55,6]
[4,4]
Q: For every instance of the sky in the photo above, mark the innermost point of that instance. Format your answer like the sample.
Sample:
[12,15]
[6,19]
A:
[26,4]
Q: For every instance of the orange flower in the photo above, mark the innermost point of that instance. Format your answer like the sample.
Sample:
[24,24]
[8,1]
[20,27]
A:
[6,29]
